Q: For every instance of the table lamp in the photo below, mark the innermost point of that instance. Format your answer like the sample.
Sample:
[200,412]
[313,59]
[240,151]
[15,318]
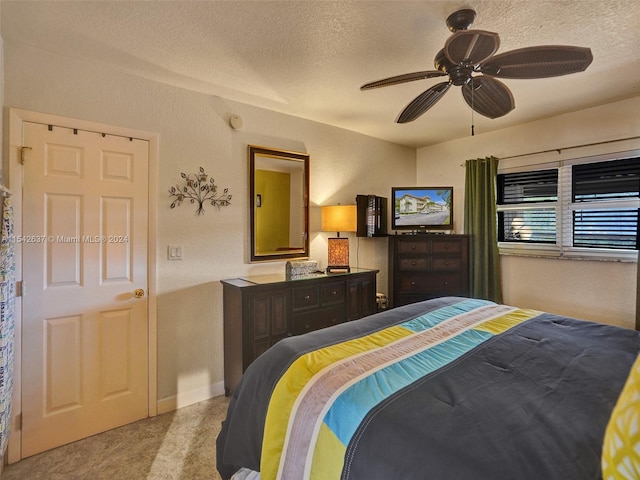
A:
[338,218]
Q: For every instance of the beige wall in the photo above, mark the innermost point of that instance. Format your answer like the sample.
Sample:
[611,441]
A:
[194,131]
[593,290]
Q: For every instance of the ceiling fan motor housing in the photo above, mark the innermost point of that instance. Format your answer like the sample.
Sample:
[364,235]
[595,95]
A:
[459,74]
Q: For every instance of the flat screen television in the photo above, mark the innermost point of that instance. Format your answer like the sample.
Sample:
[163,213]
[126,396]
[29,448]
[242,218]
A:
[422,208]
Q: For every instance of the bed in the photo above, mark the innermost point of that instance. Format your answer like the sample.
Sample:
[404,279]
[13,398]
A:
[449,388]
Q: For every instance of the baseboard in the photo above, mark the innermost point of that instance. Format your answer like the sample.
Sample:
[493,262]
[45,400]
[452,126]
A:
[183,399]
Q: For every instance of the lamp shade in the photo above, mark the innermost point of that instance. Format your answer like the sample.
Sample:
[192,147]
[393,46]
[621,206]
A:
[339,218]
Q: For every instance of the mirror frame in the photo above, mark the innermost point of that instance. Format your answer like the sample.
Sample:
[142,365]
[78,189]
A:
[254,151]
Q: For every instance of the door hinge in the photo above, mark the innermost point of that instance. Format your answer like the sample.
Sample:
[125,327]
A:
[19,288]
[22,149]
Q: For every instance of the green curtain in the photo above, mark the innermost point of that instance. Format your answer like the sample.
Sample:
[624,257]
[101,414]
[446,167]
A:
[480,224]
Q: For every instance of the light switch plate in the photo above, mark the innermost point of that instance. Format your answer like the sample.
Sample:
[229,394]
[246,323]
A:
[174,252]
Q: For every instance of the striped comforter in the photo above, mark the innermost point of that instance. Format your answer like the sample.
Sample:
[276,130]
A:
[456,387]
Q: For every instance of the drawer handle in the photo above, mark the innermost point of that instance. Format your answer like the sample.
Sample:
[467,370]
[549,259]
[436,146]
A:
[334,293]
[413,283]
[413,264]
[334,320]
[413,247]
[446,283]
[307,297]
[307,326]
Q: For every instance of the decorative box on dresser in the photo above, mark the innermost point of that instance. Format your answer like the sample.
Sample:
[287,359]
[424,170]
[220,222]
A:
[424,266]
[263,309]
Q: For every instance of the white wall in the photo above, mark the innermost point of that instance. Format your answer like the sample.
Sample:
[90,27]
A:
[194,132]
[593,290]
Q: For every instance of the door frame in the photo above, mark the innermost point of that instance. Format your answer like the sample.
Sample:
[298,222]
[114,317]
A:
[13,175]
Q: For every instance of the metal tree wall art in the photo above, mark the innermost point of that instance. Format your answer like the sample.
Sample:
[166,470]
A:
[199,189]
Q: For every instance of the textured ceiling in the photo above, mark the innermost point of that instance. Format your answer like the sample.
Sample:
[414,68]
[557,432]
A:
[309,58]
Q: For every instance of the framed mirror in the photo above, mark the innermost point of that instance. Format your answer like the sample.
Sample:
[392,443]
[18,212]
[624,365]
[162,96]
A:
[279,199]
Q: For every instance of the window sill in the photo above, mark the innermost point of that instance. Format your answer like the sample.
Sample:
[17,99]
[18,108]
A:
[557,255]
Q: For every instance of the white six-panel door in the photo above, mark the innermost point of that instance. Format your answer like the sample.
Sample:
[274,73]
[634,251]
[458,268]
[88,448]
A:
[85,321]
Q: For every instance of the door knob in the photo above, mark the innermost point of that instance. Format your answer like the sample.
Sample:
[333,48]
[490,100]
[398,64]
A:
[138,293]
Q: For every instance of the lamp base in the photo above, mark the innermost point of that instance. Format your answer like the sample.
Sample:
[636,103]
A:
[338,269]
[338,255]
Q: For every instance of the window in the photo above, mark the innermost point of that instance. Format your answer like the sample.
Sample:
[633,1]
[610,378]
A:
[587,208]
[529,212]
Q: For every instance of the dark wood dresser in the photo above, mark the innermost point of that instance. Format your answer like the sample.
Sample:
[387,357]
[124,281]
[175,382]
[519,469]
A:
[260,310]
[424,266]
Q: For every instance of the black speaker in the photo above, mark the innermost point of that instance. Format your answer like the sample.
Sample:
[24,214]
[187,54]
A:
[372,216]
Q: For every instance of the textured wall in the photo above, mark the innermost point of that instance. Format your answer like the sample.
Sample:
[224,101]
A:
[194,132]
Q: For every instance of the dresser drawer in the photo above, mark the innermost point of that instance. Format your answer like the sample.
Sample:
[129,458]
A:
[412,282]
[427,266]
[332,293]
[412,246]
[441,282]
[447,245]
[259,313]
[445,283]
[408,264]
[307,322]
[306,297]
[446,264]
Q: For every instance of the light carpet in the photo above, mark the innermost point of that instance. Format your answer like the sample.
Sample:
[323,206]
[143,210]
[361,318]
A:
[178,445]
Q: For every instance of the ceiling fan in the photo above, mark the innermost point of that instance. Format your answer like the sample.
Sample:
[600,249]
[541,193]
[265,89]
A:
[468,52]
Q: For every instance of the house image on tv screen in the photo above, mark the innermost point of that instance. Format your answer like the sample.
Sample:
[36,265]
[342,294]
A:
[419,207]
[411,204]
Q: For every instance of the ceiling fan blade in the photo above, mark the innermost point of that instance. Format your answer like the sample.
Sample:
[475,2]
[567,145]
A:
[471,46]
[407,77]
[538,62]
[488,97]
[423,102]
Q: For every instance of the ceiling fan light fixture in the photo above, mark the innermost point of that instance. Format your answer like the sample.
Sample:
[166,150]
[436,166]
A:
[460,75]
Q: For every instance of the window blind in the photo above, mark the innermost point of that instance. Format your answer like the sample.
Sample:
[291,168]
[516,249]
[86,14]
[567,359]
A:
[526,187]
[615,228]
[616,179]
[601,219]
[527,225]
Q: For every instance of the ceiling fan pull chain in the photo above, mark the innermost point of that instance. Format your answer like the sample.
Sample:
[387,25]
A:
[472,110]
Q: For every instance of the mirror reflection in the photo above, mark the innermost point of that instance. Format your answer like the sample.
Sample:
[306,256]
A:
[279,186]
